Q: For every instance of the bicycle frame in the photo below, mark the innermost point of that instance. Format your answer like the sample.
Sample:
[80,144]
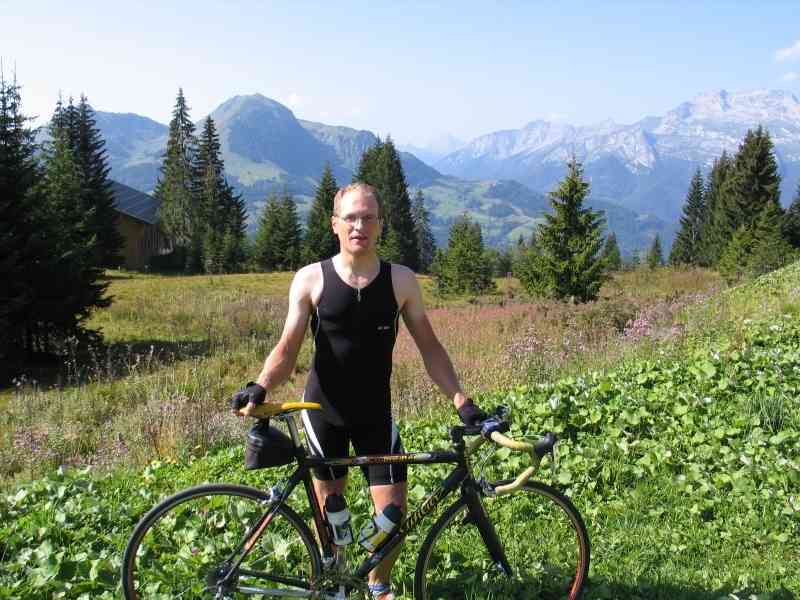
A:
[459,477]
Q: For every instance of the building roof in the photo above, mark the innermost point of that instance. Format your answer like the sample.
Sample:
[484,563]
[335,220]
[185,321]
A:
[134,203]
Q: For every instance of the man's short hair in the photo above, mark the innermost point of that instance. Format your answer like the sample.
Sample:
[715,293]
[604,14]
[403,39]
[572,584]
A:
[365,189]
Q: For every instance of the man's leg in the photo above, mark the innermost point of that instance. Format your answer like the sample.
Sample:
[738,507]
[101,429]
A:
[324,488]
[382,495]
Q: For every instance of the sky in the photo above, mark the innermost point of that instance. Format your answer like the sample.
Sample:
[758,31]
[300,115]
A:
[415,70]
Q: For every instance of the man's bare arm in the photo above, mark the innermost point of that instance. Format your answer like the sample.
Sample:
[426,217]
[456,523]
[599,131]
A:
[281,361]
[437,362]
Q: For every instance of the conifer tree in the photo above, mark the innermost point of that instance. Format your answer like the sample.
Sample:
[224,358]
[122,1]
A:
[733,262]
[97,193]
[23,244]
[234,240]
[265,245]
[380,166]
[791,221]
[278,238]
[422,228]
[567,261]
[461,268]
[611,254]
[176,187]
[770,249]
[320,242]
[210,193]
[714,235]
[753,182]
[73,288]
[686,247]
[290,240]
[655,256]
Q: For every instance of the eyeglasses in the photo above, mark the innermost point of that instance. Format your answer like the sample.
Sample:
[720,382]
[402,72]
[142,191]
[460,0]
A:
[365,220]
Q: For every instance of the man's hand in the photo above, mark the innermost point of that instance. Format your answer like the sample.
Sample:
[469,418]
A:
[252,394]
[250,402]
[492,424]
[470,414]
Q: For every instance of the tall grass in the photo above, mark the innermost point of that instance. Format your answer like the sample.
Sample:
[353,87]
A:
[177,347]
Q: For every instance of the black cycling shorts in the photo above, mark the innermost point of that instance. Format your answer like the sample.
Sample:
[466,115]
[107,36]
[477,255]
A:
[330,441]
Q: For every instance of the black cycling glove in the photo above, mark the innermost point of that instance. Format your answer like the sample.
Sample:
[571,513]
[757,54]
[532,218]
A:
[252,393]
[470,414]
[491,425]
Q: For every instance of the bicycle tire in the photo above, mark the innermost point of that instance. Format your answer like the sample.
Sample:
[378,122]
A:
[544,538]
[179,547]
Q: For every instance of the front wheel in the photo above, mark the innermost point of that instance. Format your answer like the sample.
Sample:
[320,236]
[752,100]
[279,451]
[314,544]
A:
[181,548]
[543,537]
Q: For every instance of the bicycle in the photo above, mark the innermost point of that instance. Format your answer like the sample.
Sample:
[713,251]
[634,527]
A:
[225,541]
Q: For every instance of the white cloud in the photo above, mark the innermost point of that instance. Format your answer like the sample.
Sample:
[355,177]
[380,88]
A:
[791,76]
[790,53]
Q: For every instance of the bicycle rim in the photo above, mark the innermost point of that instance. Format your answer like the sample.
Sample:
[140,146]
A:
[544,539]
[181,547]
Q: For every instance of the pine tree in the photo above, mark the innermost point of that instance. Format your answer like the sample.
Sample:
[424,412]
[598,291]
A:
[686,247]
[461,268]
[320,241]
[265,250]
[278,237]
[791,221]
[770,249]
[380,166]
[74,288]
[753,182]
[733,262]
[97,195]
[23,245]
[176,187]
[611,254]
[714,235]
[290,240]
[210,193]
[655,256]
[422,228]
[567,261]
[234,244]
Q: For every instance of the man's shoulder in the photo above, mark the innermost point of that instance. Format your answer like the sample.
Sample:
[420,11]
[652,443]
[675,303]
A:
[307,277]
[402,272]
[404,281]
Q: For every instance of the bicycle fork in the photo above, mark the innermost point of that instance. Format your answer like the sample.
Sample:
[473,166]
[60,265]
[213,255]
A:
[476,514]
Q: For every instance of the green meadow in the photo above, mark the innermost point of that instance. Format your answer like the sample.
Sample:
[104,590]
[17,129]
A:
[675,399]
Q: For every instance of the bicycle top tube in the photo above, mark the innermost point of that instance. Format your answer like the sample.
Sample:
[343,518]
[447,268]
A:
[411,458]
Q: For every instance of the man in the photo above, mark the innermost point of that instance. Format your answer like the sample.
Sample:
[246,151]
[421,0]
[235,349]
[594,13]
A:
[354,301]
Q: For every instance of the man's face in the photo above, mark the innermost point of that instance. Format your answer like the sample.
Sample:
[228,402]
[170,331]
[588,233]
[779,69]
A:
[357,223]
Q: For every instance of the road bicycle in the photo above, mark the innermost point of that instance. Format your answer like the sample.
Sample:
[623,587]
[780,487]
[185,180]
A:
[500,539]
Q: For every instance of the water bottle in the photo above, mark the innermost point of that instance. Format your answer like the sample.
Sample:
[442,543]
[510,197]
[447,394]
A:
[339,519]
[380,527]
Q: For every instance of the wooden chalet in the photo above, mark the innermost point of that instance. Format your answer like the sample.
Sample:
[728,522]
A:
[137,222]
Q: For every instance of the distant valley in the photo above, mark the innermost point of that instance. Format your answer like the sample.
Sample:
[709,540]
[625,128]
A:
[639,173]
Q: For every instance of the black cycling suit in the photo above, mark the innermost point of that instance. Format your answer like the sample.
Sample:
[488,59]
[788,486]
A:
[354,335]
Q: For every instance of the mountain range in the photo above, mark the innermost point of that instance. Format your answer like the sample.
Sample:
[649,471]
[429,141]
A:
[644,166]
[639,173]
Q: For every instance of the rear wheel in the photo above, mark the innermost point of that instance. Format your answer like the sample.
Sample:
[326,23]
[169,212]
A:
[541,532]
[181,548]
